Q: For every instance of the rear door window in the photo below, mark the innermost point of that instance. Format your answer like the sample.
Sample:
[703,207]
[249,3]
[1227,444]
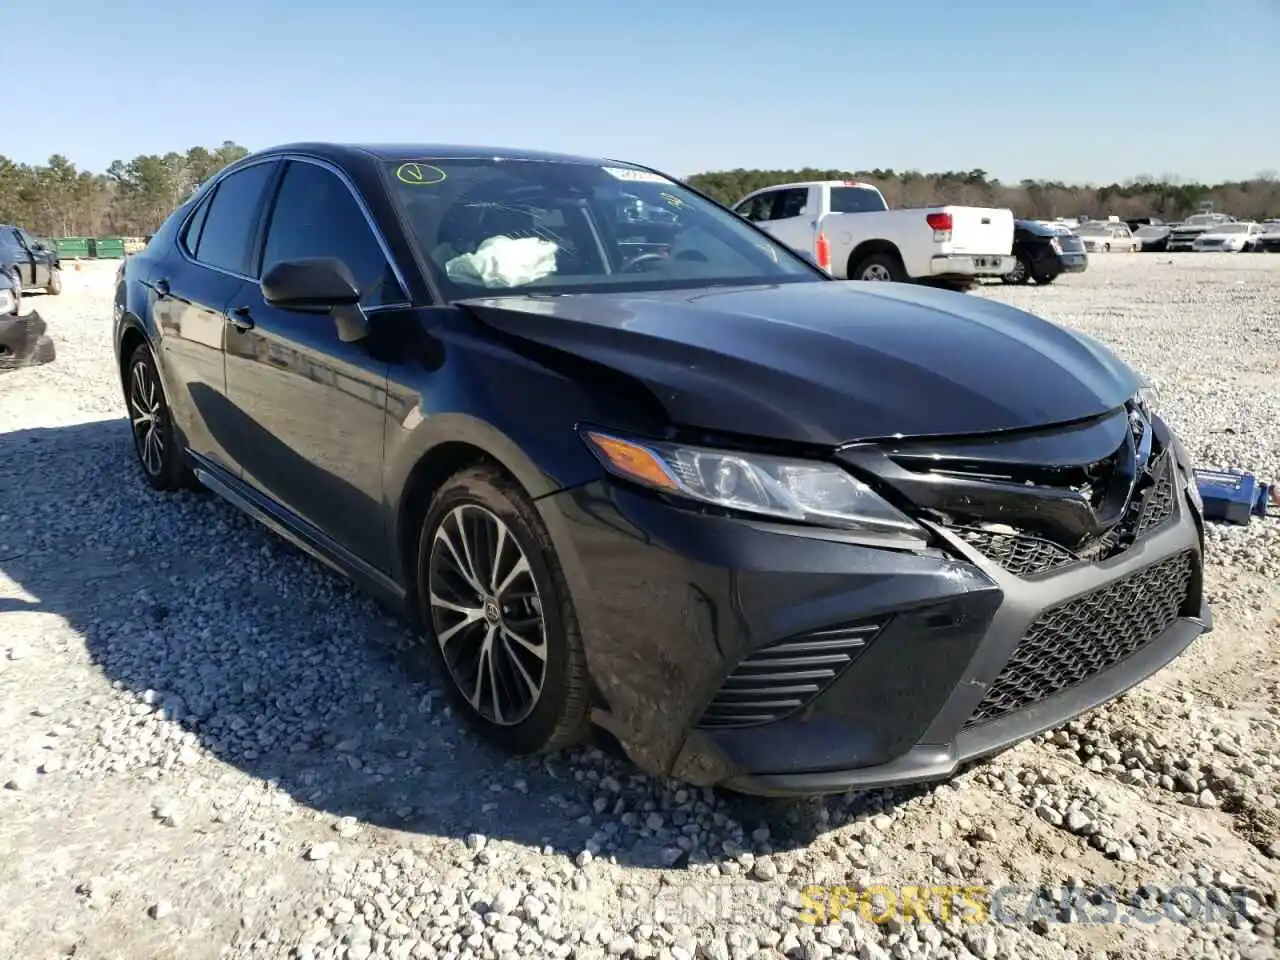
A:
[226,242]
[855,200]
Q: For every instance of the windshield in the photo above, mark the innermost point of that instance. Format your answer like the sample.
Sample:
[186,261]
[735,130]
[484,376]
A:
[486,225]
[1201,220]
[1151,232]
[856,200]
[1094,230]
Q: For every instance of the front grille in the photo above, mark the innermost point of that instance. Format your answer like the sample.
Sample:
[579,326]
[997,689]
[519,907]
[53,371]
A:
[1079,639]
[1024,555]
[780,679]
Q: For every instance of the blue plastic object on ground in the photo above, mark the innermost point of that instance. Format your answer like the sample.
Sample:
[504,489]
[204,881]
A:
[1232,496]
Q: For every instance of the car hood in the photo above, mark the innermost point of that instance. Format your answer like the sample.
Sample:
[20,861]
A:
[829,362]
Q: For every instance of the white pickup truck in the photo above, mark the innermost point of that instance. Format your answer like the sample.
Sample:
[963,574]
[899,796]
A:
[848,228]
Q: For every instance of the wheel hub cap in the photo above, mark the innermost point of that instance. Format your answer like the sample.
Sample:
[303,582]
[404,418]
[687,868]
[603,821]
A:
[146,413]
[486,614]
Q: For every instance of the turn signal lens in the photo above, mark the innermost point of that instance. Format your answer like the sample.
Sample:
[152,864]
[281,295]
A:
[633,461]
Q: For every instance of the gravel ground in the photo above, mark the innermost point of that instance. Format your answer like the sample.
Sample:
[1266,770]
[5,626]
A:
[211,746]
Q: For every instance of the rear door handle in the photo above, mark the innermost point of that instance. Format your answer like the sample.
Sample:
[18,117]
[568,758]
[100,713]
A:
[240,319]
[162,288]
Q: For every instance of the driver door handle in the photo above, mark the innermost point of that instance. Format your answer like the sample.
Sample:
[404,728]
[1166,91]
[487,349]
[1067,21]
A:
[240,319]
[162,288]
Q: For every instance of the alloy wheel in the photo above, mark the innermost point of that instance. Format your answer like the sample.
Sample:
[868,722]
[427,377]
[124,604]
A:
[486,612]
[876,271]
[146,412]
[1019,271]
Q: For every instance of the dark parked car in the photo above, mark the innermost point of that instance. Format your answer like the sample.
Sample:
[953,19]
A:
[1154,238]
[774,531]
[1043,253]
[37,265]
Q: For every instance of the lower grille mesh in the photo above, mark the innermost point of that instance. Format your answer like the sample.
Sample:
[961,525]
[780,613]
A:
[1081,638]
[780,679]
[1021,555]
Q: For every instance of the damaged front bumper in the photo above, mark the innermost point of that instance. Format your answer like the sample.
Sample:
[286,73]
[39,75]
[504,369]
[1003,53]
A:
[24,342]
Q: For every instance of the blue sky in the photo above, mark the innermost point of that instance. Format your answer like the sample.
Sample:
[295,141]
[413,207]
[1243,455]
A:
[1084,90]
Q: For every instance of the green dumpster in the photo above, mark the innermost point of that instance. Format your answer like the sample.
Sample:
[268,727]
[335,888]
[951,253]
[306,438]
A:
[72,248]
[109,248]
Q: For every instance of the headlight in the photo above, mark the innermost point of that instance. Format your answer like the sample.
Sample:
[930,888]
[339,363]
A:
[802,490]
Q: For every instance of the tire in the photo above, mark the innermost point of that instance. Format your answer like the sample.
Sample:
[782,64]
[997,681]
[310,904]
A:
[482,501]
[54,287]
[1046,278]
[1020,273]
[1106,248]
[163,467]
[884,266]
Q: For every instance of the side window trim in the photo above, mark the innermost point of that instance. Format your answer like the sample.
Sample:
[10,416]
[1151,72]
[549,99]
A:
[268,204]
[195,219]
[269,197]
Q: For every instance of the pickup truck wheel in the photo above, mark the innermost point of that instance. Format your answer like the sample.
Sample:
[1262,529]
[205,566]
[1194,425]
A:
[881,267]
[54,287]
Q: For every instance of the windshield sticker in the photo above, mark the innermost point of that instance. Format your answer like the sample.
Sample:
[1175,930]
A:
[672,200]
[419,174]
[635,176]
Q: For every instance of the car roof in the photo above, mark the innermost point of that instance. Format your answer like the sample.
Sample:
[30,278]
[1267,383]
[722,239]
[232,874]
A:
[342,153]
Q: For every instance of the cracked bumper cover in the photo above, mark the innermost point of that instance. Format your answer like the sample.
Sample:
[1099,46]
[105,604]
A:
[670,601]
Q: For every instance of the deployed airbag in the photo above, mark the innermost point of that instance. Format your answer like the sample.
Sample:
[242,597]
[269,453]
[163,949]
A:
[505,262]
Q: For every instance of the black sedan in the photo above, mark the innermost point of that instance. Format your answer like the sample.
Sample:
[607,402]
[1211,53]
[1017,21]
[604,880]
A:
[774,531]
[1043,253]
[1154,238]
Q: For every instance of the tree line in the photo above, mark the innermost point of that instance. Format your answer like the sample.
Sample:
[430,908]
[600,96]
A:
[132,198]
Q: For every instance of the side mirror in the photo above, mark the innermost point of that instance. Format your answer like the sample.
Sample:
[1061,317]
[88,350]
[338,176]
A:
[317,285]
[311,285]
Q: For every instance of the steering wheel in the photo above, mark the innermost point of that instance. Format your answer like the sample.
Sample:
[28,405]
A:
[640,258]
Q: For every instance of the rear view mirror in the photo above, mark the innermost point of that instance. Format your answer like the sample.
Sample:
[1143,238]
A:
[313,285]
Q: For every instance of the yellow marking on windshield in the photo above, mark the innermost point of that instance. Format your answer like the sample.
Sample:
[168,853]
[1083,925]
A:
[419,174]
